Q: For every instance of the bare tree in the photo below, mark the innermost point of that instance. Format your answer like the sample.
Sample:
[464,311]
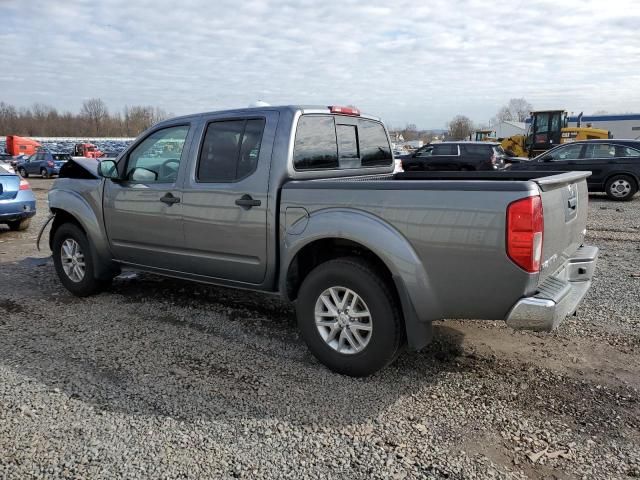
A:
[460,127]
[95,111]
[517,110]
[410,132]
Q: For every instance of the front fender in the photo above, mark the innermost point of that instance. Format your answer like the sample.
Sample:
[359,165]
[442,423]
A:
[419,304]
[86,208]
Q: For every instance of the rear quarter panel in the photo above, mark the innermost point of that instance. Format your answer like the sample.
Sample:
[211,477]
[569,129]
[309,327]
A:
[458,237]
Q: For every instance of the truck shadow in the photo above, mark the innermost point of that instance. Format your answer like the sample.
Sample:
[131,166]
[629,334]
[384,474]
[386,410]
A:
[168,348]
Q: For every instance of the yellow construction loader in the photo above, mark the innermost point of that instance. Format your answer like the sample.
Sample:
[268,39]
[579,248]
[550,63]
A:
[547,129]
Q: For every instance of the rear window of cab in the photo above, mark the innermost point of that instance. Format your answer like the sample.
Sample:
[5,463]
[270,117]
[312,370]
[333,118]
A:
[335,142]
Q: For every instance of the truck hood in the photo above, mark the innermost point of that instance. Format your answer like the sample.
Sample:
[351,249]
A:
[81,168]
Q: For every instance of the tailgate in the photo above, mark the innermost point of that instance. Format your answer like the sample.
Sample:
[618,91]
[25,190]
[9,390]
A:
[9,186]
[565,206]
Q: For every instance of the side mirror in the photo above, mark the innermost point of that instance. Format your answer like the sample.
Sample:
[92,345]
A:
[108,169]
[547,158]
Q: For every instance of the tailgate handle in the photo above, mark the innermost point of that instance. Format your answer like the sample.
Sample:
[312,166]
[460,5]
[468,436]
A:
[572,203]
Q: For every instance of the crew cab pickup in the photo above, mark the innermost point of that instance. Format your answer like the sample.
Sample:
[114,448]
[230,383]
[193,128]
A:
[303,202]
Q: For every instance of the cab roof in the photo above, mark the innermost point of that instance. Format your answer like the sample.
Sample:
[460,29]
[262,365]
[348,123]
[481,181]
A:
[304,109]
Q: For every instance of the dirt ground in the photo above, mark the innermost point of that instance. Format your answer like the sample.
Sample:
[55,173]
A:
[158,377]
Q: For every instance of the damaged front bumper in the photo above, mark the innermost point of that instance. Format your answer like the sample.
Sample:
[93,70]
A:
[558,296]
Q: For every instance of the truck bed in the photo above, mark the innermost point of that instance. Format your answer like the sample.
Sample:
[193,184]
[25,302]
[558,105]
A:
[456,223]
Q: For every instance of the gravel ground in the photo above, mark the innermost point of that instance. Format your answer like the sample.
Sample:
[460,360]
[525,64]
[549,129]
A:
[165,379]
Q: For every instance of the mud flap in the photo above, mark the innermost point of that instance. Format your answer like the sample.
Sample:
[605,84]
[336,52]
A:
[419,334]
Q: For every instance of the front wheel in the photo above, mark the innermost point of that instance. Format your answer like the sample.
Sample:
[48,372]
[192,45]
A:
[621,187]
[23,173]
[74,262]
[349,318]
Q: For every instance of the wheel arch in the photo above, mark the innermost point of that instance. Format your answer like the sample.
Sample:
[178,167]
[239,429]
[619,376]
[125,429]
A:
[69,207]
[335,233]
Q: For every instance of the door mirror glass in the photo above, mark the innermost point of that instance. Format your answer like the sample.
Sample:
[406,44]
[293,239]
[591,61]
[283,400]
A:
[108,169]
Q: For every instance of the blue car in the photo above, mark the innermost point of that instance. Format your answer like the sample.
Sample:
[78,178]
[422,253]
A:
[17,202]
[42,163]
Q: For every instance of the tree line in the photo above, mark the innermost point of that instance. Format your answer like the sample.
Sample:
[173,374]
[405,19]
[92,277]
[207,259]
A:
[93,120]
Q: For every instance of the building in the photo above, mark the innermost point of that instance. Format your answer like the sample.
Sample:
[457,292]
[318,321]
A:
[508,128]
[625,126]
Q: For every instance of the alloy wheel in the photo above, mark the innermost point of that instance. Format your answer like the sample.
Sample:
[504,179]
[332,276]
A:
[343,320]
[72,260]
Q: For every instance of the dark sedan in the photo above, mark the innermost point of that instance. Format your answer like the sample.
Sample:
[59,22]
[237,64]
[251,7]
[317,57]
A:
[42,163]
[615,164]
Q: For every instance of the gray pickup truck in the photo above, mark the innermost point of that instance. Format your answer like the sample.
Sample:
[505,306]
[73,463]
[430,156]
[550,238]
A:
[302,202]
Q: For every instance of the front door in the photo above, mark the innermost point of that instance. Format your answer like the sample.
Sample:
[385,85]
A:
[561,159]
[143,212]
[225,201]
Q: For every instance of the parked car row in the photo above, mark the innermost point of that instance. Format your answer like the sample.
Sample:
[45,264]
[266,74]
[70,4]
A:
[615,164]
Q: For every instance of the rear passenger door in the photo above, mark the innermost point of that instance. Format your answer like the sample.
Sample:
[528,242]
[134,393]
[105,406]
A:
[598,159]
[225,198]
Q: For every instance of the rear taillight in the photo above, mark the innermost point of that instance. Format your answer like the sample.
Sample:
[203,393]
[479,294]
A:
[494,159]
[24,185]
[50,163]
[525,224]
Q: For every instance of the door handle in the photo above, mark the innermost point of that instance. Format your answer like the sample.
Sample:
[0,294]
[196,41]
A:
[572,203]
[169,199]
[247,202]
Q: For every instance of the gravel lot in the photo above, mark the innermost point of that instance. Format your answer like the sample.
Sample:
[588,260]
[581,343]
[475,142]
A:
[165,379]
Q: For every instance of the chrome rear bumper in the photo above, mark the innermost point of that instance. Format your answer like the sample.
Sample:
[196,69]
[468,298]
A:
[558,296]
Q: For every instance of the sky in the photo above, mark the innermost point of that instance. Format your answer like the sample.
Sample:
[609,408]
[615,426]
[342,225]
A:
[405,61]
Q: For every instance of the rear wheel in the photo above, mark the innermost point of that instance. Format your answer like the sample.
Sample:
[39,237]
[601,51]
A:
[19,225]
[74,262]
[44,173]
[349,318]
[621,187]
[23,173]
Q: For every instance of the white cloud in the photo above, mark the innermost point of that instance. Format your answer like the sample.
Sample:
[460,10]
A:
[407,63]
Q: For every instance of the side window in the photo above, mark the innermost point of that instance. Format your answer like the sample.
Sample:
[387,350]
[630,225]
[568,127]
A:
[425,151]
[315,145]
[445,149]
[479,149]
[600,150]
[375,150]
[629,152]
[230,150]
[570,152]
[157,158]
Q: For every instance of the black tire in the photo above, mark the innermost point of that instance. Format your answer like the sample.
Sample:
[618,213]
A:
[19,225]
[625,195]
[44,173]
[387,332]
[88,285]
[23,173]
